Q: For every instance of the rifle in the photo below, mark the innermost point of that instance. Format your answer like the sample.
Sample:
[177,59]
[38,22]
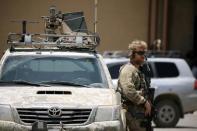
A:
[149,94]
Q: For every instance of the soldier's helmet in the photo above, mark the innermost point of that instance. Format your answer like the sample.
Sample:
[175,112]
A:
[136,44]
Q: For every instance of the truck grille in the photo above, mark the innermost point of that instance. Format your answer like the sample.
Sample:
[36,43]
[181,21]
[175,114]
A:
[67,116]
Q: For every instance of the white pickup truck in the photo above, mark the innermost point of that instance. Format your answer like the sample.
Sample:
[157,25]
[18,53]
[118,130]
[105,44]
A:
[66,90]
[57,81]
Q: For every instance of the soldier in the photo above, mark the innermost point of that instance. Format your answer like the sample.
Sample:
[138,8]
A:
[130,82]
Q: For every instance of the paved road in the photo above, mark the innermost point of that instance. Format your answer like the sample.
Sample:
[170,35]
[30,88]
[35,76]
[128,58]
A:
[189,123]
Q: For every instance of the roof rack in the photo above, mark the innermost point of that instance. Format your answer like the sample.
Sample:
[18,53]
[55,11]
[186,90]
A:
[115,54]
[150,54]
[165,54]
[42,41]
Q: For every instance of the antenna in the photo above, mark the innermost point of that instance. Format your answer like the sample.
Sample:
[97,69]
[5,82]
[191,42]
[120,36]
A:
[95,15]
[24,26]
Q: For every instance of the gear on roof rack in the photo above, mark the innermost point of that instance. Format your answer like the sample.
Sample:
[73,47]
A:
[66,38]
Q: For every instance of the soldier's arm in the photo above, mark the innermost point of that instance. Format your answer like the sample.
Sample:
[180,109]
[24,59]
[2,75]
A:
[127,83]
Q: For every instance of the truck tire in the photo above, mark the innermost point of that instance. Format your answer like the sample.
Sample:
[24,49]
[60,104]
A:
[168,114]
[123,120]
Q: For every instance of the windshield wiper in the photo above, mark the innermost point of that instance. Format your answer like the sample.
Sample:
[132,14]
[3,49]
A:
[22,82]
[63,83]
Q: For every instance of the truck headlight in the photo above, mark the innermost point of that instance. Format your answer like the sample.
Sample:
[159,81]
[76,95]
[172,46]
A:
[107,113]
[6,113]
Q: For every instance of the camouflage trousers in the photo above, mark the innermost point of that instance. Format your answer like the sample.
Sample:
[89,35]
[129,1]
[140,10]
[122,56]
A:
[132,123]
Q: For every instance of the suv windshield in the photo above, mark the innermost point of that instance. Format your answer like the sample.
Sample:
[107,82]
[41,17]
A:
[36,69]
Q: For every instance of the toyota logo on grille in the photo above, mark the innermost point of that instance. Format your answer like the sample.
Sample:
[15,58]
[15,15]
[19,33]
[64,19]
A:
[54,112]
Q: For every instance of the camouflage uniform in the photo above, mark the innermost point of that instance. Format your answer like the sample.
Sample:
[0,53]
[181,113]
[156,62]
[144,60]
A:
[130,83]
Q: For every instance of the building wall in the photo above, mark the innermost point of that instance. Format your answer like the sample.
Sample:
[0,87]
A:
[119,21]
[181,25]
[122,21]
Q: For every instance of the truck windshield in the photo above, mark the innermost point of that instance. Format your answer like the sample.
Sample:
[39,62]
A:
[78,70]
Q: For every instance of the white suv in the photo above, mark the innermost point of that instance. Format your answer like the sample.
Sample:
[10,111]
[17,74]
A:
[176,87]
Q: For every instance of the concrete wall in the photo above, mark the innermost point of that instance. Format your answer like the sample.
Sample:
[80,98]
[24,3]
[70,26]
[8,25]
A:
[120,21]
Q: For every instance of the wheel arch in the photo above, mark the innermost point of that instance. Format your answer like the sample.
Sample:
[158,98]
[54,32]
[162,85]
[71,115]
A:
[172,97]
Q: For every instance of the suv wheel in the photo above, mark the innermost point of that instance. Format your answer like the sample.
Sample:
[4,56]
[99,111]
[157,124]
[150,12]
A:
[168,114]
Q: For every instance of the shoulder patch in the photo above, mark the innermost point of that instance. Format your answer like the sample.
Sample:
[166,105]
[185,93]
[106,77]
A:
[135,74]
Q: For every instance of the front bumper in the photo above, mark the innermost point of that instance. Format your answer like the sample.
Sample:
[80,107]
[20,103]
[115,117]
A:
[12,126]
[96,126]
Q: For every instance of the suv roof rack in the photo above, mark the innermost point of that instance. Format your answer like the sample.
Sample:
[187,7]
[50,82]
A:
[165,54]
[150,54]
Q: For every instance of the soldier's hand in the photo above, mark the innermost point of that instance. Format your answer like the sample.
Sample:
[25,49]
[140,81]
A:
[147,108]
